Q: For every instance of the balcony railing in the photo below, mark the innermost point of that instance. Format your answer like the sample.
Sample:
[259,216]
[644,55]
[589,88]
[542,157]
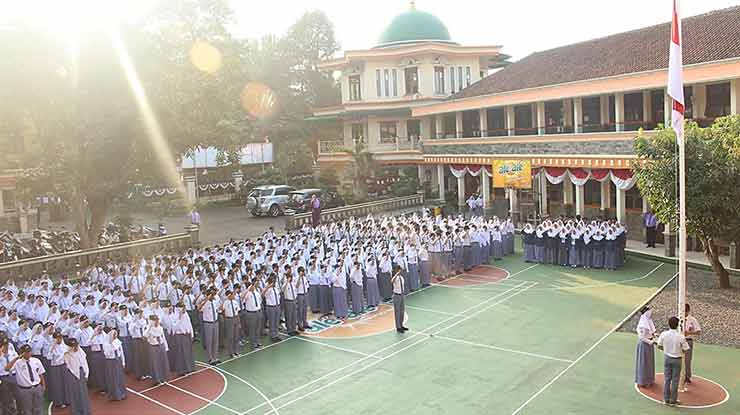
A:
[331,146]
[386,145]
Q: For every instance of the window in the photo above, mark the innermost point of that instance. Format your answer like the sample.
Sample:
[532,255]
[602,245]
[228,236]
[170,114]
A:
[467,76]
[9,200]
[718,100]
[386,82]
[355,93]
[439,80]
[412,81]
[395,82]
[632,199]
[460,77]
[377,83]
[282,191]
[452,79]
[358,131]
[388,132]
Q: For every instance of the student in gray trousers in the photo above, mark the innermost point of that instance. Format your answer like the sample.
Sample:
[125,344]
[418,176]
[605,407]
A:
[399,299]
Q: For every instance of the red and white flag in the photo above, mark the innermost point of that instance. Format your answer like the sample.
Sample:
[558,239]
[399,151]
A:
[675,74]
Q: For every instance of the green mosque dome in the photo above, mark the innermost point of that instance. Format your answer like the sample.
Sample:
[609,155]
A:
[414,26]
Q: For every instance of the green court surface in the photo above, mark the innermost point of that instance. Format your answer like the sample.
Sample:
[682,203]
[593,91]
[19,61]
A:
[541,341]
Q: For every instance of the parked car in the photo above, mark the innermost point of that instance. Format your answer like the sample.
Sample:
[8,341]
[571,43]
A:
[300,200]
[268,200]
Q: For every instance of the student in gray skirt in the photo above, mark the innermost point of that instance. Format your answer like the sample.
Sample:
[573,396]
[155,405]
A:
[75,379]
[182,347]
[115,361]
[158,347]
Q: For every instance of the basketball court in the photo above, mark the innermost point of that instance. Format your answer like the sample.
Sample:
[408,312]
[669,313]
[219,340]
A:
[505,338]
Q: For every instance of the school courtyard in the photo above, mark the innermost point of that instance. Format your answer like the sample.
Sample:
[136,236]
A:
[507,338]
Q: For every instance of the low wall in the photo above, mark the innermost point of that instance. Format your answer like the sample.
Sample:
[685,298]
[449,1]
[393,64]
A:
[69,261]
[362,209]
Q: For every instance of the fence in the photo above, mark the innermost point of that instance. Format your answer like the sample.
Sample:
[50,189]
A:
[71,261]
[361,209]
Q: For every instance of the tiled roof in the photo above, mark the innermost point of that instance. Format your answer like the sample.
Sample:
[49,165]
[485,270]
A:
[708,37]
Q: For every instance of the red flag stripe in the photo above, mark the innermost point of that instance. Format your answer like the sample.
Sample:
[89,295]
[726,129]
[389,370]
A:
[675,38]
[678,107]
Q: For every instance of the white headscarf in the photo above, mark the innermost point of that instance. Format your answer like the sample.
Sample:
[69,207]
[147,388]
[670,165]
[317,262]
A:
[646,322]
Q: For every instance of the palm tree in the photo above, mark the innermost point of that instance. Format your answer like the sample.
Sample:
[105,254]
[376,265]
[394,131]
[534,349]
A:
[362,169]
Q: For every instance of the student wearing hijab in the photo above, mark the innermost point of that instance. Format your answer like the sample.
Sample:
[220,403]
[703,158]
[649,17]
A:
[339,294]
[539,244]
[528,240]
[610,250]
[56,389]
[115,361]
[573,249]
[140,350]
[497,243]
[645,361]
[182,341]
[75,379]
[425,267]
[597,242]
[158,348]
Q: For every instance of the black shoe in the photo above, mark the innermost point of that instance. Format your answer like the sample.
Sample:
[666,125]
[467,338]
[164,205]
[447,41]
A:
[400,330]
[404,328]
[275,339]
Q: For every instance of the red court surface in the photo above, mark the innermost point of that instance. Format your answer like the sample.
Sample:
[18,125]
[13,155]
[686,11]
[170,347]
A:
[701,393]
[202,386]
[483,274]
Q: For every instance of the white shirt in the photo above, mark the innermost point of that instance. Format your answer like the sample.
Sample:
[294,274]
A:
[252,301]
[77,363]
[22,375]
[210,310]
[691,324]
[673,343]
[398,285]
[231,308]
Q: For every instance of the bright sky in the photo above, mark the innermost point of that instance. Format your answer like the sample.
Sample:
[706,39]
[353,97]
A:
[522,26]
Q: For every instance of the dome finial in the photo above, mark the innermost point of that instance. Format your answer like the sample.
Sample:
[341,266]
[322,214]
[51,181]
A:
[412,5]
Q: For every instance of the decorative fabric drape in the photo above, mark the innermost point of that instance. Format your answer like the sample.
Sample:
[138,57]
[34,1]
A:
[458,170]
[623,179]
[474,169]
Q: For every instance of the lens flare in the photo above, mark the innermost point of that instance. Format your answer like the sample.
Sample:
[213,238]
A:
[258,100]
[205,57]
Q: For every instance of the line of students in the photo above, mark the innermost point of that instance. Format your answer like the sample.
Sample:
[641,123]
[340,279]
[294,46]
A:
[576,242]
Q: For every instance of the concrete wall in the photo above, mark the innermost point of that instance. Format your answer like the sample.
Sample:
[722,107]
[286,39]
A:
[612,147]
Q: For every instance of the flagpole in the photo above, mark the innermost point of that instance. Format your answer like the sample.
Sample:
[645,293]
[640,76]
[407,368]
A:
[681,226]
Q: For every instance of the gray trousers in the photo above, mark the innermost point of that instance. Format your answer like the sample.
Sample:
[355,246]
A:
[688,354]
[231,334]
[31,399]
[672,374]
[210,340]
[254,324]
[273,319]
[399,309]
[290,316]
[302,311]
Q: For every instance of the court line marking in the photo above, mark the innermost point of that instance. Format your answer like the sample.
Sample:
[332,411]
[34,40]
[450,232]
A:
[163,405]
[372,354]
[204,399]
[508,276]
[267,400]
[503,349]
[413,307]
[424,338]
[486,286]
[206,366]
[727,395]
[594,346]
[331,346]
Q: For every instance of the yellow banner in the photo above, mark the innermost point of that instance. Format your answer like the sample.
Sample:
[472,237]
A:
[512,173]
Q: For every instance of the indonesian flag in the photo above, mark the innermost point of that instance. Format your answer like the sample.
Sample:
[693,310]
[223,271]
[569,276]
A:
[675,74]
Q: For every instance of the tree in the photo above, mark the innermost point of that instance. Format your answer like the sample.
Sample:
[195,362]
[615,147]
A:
[363,167]
[712,183]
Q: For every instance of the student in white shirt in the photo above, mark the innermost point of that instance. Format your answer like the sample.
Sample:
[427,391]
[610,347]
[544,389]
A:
[29,378]
[55,379]
[160,365]
[77,371]
[673,345]
[399,303]
[209,307]
[691,329]
[115,361]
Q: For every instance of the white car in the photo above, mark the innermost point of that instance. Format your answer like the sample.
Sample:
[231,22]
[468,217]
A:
[268,200]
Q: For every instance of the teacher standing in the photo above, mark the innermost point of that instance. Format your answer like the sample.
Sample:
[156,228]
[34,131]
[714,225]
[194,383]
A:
[315,211]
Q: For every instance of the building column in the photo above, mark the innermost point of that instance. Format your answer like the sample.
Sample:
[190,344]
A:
[669,238]
[647,106]
[568,112]
[440,126]
[461,191]
[540,118]
[735,96]
[567,191]
[510,120]
[514,205]
[459,124]
[190,190]
[580,205]
[698,101]
[667,108]
[543,193]
[578,115]
[604,109]
[441,180]
[621,206]
[606,196]
[483,116]
[619,110]
[425,128]
[486,187]
[421,168]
